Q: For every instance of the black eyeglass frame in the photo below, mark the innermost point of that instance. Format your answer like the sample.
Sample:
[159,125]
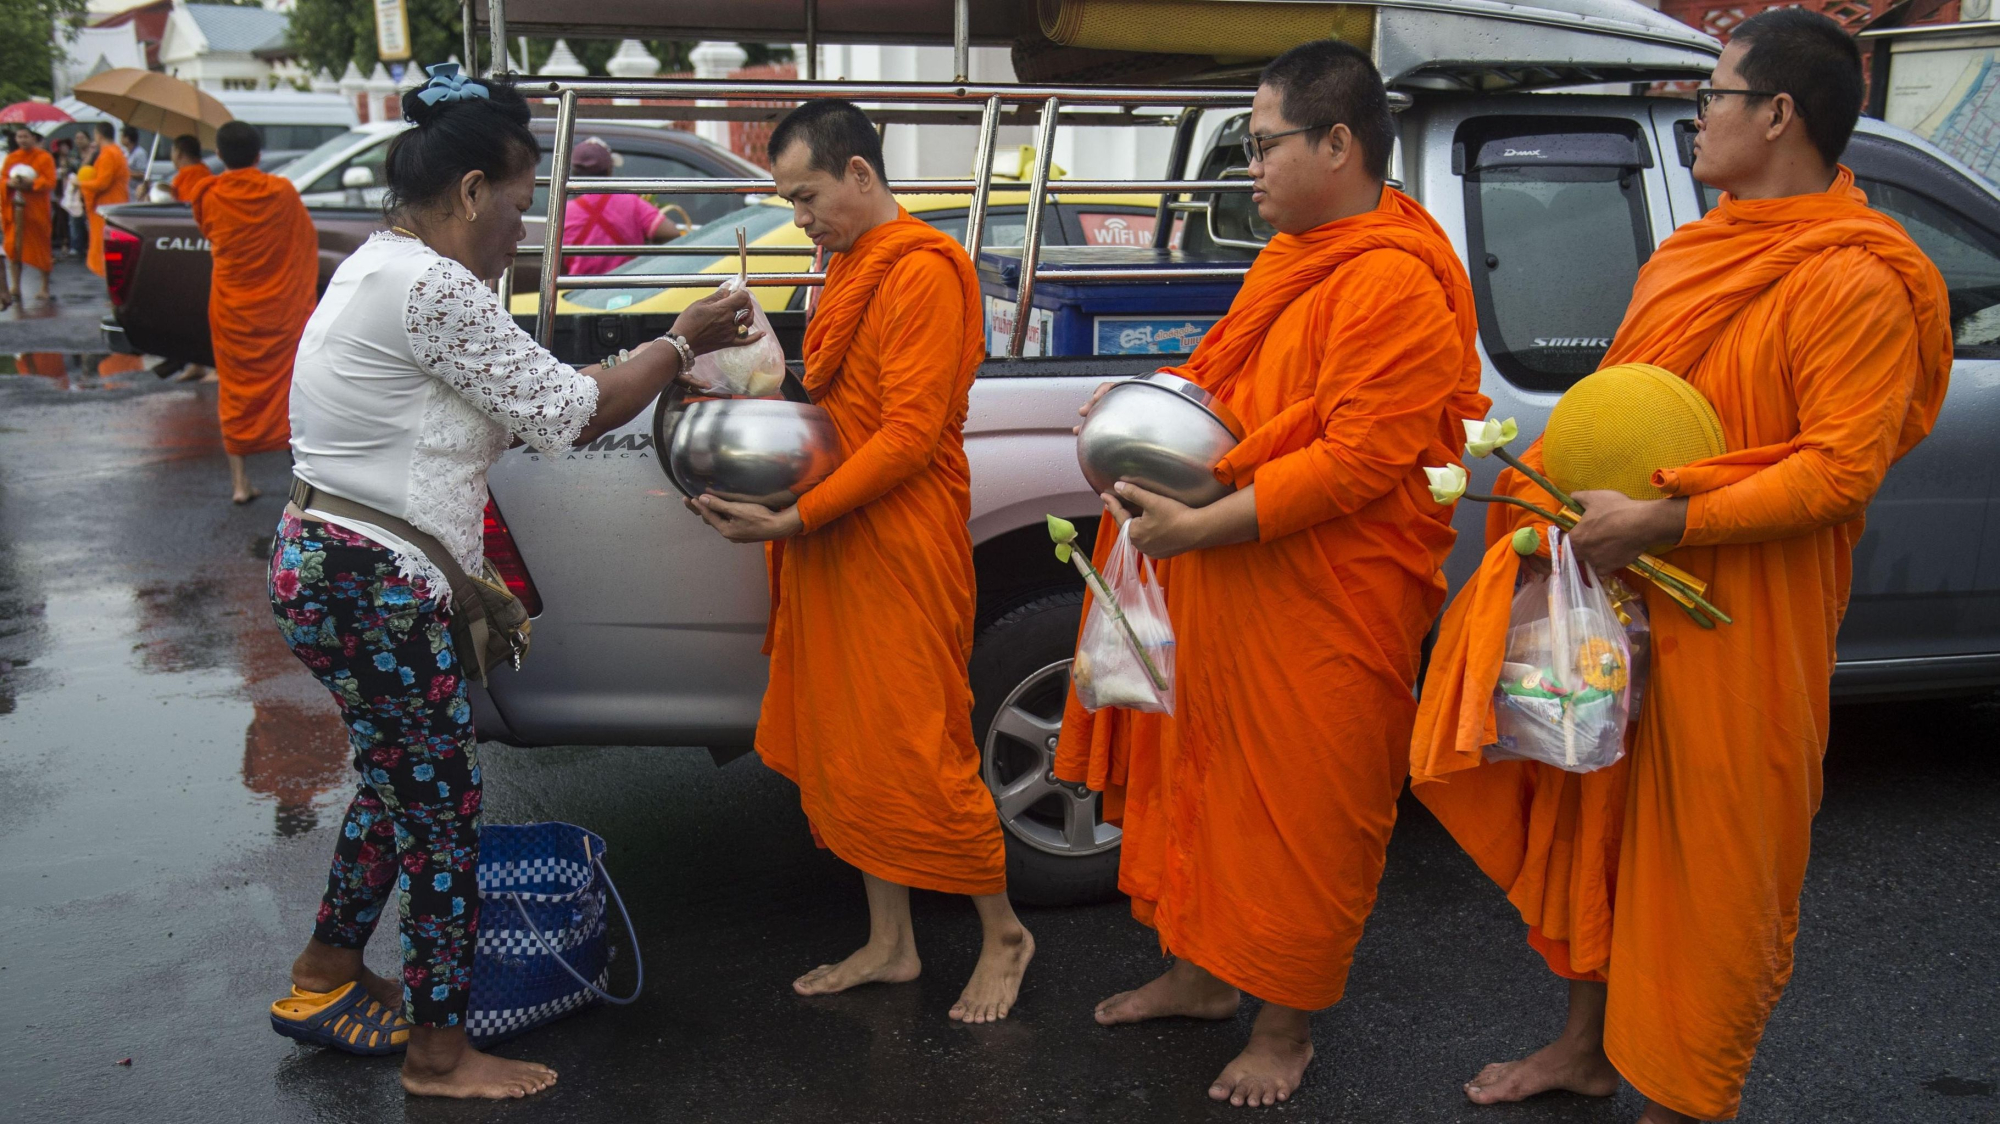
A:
[1704,97]
[1253,143]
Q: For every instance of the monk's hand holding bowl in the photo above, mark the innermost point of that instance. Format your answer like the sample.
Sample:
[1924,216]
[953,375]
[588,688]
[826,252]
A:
[1164,527]
[1616,529]
[747,522]
[1084,410]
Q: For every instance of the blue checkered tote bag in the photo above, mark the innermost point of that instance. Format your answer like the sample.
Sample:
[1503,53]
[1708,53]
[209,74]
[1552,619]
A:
[542,950]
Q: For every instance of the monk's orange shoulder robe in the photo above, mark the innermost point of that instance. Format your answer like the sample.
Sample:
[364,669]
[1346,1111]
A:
[868,708]
[1821,335]
[186,178]
[264,284]
[111,185]
[1257,818]
[24,226]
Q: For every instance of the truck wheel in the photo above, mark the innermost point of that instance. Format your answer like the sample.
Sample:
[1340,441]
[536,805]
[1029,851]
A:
[1059,849]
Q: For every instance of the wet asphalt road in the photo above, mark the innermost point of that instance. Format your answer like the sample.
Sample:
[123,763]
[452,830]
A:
[170,781]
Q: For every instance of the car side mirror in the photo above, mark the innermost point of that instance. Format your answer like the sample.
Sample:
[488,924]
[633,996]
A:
[356,177]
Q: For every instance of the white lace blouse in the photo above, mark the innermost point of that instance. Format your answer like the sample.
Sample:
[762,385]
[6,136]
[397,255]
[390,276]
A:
[411,381]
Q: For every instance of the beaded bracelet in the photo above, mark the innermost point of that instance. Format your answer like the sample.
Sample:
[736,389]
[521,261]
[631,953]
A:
[681,345]
[611,361]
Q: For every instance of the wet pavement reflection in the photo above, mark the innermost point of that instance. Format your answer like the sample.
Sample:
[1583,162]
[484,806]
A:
[170,780]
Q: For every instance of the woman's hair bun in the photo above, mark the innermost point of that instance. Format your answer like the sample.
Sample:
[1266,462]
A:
[501,98]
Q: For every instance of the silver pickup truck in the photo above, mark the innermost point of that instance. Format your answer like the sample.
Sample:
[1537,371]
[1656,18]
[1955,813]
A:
[650,625]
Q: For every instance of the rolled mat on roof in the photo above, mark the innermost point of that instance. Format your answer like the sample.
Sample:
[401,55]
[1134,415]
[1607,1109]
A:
[1614,428]
[1246,30]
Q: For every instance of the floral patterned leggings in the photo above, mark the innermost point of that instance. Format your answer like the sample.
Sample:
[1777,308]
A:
[383,646]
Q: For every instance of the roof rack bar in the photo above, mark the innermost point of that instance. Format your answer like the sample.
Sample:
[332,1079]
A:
[963,93]
[961,40]
[666,249]
[552,227]
[982,170]
[611,185]
[812,40]
[471,34]
[1031,246]
[1177,158]
[708,280]
[496,26]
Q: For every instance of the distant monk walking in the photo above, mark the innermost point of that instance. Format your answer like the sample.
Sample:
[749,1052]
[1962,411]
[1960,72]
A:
[262,290]
[188,168]
[26,178]
[104,182]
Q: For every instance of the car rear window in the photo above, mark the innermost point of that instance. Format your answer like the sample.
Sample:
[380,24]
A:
[1556,230]
[1920,192]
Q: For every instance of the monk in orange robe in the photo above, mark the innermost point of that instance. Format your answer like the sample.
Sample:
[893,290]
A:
[25,215]
[872,588]
[106,183]
[1257,817]
[188,166]
[1666,887]
[262,288]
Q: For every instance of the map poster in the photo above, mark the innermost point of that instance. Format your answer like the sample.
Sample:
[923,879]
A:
[1947,90]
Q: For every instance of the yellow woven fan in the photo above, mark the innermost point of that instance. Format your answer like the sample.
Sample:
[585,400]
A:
[1615,427]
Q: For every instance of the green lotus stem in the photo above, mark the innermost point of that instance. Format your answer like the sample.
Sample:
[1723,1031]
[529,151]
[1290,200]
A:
[1103,591]
[1656,576]
[1541,481]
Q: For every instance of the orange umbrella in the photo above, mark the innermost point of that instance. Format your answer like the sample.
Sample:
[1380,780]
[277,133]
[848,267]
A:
[147,99]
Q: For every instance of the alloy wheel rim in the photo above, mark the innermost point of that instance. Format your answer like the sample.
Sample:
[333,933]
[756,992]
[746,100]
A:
[1018,763]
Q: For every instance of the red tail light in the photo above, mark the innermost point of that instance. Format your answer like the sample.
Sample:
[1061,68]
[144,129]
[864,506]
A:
[121,255]
[506,558]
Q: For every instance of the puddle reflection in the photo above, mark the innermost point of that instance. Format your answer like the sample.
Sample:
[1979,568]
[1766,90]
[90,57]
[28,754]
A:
[70,370]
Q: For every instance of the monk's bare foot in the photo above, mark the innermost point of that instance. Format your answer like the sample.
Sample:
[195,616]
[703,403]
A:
[885,962]
[1657,1113]
[1565,1064]
[1269,1069]
[437,1069]
[244,497]
[1184,991]
[996,979]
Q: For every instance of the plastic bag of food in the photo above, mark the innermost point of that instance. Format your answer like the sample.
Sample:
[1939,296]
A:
[1125,656]
[1566,689]
[753,371]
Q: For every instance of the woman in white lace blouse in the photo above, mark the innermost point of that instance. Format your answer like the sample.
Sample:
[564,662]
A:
[411,381]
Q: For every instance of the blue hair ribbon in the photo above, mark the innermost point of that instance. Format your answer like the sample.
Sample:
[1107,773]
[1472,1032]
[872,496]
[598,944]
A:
[447,84]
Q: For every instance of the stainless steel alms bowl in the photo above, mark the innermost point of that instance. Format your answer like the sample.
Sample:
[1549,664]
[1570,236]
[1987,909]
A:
[755,450]
[1162,433]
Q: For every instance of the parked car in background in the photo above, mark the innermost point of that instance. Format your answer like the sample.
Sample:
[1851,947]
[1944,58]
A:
[157,264]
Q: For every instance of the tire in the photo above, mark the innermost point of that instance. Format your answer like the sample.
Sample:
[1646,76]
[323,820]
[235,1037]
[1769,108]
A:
[1059,852]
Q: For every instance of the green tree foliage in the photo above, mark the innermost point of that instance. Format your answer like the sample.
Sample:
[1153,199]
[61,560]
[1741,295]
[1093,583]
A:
[30,35]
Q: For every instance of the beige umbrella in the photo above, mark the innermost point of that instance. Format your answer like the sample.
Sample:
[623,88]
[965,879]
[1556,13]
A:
[147,99]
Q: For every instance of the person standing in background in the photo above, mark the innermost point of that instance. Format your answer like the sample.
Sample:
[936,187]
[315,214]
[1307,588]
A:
[104,181]
[188,168]
[29,177]
[138,160]
[262,289]
[608,220]
[74,216]
[63,155]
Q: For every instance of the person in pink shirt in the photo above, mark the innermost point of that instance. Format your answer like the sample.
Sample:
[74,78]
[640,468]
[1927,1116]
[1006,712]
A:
[608,220]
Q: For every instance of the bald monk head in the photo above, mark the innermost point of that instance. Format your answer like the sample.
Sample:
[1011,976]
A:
[187,150]
[1780,107]
[826,158]
[239,144]
[1320,137]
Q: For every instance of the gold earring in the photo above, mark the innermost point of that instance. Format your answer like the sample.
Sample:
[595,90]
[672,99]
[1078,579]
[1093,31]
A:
[474,217]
